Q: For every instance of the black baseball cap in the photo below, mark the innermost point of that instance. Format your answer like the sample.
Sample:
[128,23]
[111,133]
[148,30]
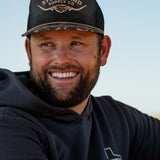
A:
[83,15]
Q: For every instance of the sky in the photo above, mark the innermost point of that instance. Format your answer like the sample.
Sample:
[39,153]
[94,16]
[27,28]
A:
[132,72]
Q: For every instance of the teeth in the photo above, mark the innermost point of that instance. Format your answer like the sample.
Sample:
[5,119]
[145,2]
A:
[63,75]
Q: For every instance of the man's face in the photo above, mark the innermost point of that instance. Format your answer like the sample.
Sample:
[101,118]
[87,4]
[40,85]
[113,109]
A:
[64,66]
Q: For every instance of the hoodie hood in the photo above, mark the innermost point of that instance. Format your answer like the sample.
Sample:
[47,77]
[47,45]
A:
[15,93]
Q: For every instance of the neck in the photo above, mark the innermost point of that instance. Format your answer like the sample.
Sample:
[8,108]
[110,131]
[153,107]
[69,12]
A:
[80,107]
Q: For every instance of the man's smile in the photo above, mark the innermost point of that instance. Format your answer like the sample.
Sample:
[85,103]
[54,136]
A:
[63,75]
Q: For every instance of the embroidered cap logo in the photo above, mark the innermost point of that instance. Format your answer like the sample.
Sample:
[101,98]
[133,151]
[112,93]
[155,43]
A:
[62,6]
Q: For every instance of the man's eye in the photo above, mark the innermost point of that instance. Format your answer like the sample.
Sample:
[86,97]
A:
[76,43]
[47,45]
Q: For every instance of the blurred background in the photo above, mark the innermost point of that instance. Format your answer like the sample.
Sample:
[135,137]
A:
[132,73]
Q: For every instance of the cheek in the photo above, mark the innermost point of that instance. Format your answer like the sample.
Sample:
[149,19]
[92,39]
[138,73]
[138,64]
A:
[89,58]
[40,60]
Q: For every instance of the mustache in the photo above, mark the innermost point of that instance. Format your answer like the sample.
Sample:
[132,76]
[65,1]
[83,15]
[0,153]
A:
[66,67]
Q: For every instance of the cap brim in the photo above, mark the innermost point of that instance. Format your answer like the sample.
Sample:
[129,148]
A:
[63,26]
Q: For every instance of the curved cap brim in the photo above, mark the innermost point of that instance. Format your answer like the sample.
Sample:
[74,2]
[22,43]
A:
[63,26]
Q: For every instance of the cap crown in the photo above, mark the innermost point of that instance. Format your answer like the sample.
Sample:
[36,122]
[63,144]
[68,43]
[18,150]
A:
[65,14]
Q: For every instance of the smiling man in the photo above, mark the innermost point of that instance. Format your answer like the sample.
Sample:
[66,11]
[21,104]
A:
[48,113]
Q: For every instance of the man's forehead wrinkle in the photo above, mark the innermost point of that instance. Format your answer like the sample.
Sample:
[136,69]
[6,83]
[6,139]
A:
[51,36]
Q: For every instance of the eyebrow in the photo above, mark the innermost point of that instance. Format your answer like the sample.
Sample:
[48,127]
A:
[76,37]
[44,38]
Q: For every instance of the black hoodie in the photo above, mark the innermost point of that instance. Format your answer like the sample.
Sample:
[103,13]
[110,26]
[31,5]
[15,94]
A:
[31,129]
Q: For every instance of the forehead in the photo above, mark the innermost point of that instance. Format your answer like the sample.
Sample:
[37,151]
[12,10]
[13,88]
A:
[65,33]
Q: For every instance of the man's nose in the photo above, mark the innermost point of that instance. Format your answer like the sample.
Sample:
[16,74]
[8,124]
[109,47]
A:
[62,56]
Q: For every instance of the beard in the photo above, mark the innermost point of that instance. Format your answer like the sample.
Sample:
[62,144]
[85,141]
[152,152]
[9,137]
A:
[63,97]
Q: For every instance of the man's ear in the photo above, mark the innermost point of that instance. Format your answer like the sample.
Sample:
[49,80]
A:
[105,48]
[28,50]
